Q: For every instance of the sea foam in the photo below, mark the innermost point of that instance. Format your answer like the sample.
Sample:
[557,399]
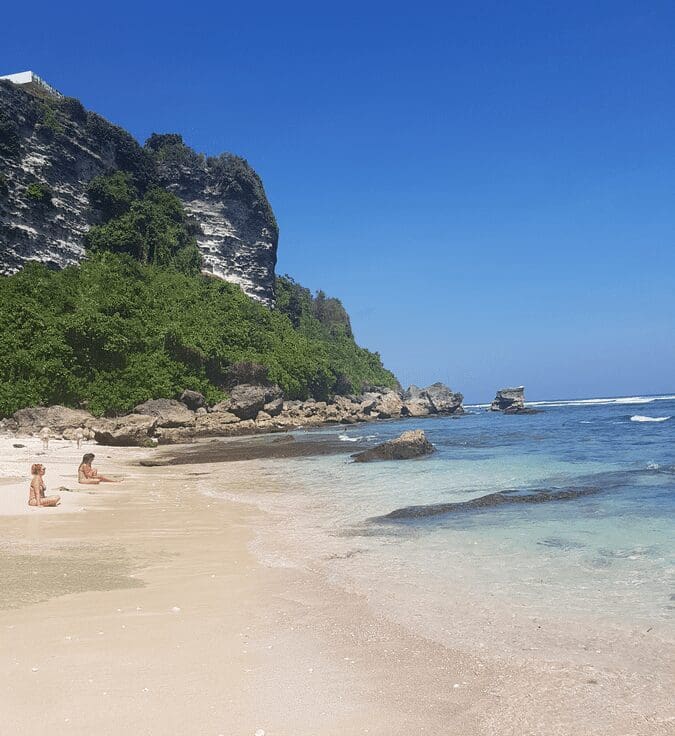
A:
[640,418]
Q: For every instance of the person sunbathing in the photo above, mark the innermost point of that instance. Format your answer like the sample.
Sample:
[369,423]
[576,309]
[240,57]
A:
[36,495]
[86,475]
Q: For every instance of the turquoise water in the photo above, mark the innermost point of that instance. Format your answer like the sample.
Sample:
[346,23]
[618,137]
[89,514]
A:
[607,555]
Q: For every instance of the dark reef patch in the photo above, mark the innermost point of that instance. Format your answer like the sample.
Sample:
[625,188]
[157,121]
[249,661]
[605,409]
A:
[500,499]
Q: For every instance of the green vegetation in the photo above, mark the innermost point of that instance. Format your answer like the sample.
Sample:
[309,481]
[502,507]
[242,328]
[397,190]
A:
[113,332]
[50,118]
[136,319]
[324,320]
[112,195]
[153,229]
[39,193]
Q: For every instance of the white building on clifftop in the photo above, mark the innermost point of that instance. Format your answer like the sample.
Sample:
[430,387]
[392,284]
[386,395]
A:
[33,82]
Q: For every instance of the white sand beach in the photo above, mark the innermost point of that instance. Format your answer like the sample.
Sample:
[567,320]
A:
[139,608]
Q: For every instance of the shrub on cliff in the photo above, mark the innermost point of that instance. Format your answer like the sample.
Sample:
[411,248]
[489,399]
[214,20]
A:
[153,230]
[39,193]
[112,195]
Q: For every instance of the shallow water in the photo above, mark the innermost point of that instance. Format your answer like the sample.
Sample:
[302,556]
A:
[600,547]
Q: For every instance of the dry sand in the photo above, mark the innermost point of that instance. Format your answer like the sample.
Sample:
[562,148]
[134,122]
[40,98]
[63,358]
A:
[143,612]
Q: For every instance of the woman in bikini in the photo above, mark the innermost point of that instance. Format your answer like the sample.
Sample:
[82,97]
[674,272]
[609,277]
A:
[86,475]
[36,496]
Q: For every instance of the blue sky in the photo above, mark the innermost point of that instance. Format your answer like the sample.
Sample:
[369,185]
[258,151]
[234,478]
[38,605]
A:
[488,186]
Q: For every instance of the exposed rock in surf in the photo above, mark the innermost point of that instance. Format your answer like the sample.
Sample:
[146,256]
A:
[491,500]
[443,400]
[509,398]
[411,444]
[512,401]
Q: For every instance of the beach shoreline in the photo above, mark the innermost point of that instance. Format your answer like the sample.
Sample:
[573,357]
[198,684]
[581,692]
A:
[173,625]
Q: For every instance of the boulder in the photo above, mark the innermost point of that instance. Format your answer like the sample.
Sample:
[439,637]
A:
[368,402]
[274,407]
[419,406]
[215,423]
[247,400]
[443,400]
[434,399]
[263,416]
[132,430]
[169,413]
[388,405]
[509,399]
[57,418]
[414,392]
[193,399]
[175,435]
[411,444]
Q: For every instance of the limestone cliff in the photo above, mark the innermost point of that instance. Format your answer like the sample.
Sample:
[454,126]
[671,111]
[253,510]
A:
[50,148]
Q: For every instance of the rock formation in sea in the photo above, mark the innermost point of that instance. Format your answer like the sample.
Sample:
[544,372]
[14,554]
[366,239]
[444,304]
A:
[512,401]
[51,148]
[499,499]
[409,445]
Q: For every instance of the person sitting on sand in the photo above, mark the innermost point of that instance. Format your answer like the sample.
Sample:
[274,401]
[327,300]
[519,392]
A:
[36,496]
[86,475]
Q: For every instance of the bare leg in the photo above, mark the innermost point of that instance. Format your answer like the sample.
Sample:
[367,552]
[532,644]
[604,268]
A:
[46,501]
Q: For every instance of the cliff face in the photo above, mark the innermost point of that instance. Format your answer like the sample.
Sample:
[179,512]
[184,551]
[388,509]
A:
[51,148]
[239,232]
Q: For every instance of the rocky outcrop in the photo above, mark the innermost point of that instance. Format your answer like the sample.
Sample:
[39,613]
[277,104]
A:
[216,423]
[51,148]
[168,412]
[434,399]
[250,409]
[193,399]
[409,445]
[239,233]
[247,400]
[511,401]
[58,419]
[443,400]
[132,430]
[509,398]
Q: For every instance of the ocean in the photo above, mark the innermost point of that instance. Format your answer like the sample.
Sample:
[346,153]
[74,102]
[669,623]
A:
[586,541]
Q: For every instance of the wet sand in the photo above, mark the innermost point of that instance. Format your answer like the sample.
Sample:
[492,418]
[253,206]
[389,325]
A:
[265,447]
[144,612]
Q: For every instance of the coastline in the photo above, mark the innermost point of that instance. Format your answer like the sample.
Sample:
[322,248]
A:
[253,646]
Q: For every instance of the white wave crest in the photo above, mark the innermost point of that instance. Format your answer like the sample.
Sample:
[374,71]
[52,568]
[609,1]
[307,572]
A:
[347,438]
[640,418]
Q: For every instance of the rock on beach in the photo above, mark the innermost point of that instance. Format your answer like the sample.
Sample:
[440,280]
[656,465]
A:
[409,445]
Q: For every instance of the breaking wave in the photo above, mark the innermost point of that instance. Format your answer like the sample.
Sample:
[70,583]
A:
[619,400]
[640,418]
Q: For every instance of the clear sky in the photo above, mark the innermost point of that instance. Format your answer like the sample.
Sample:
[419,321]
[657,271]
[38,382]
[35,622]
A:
[488,186]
